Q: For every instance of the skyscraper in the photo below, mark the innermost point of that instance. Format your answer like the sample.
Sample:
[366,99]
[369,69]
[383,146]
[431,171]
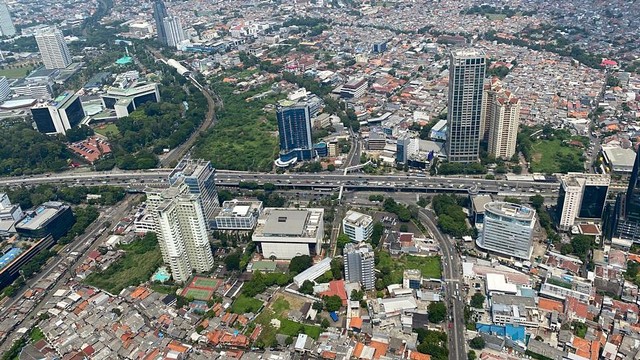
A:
[6,25]
[173,30]
[180,226]
[466,80]
[626,213]
[159,13]
[199,176]
[500,120]
[359,264]
[294,128]
[53,49]
[581,196]
[508,229]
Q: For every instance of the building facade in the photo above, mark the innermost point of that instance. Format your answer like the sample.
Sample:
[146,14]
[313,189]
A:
[238,215]
[359,265]
[159,13]
[125,100]
[286,233]
[500,120]
[294,130]
[58,115]
[199,177]
[357,226]
[181,228]
[466,81]
[173,29]
[5,90]
[581,196]
[52,218]
[624,220]
[6,24]
[53,48]
[508,229]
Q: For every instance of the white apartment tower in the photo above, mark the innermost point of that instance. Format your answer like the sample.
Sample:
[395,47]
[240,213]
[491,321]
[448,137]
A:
[359,265]
[500,118]
[53,49]
[357,226]
[6,24]
[508,229]
[181,229]
[174,32]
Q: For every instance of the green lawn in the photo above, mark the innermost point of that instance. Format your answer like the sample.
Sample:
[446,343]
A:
[552,156]
[292,328]
[16,73]
[245,304]
[280,305]
[108,128]
[141,259]
[496,16]
[36,334]
[430,266]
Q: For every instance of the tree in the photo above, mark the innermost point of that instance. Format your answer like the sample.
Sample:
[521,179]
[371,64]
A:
[537,201]
[404,228]
[477,343]
[331,167]
[376,233]
[471,355]
[342,241]
[288,341]
[317,306]
[336,268]
[332,303]
[232,261]
[477,300]
[300,263]
[307,287]
[356,295]
[437,312]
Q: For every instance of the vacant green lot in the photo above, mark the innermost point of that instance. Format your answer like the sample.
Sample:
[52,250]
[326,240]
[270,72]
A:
[244,304]
[16,73]
[278,310]
[430,266]
[141,259]
[552,156]
[107,130]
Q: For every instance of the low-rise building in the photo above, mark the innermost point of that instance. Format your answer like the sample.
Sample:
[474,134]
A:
[51,218]
[238,215]
[286,233]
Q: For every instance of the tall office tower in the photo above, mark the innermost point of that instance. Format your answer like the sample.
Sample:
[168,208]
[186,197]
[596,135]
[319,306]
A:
[581,196]
[359,264]
[180,226]
[466,79]
[6,24]
[626,213]
[53,49]
[58,115]
[5,90]
[508,229]
[159,13]
[199,176]
[294,128]
[501,118]
[174,32]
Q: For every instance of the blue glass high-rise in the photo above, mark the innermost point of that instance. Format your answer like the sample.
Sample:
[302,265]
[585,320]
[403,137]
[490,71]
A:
[294,128]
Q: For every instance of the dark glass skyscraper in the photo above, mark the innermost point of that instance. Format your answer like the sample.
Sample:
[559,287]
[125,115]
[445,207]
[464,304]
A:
[624,221]
[159,13]
[294,128]
[466,84]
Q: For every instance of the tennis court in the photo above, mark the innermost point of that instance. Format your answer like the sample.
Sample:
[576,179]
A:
[201,282]
[198,294]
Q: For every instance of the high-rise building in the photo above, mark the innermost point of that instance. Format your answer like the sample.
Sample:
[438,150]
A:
[6,24]
[466,80]
[359,264]
[357,226]
[199,176]
[500,120]
[294,129]
[625,216]
[53,49]
[159,13]
[5,90]
[508,229]
[173,28]
[58,115]
[181,228]
[581,196]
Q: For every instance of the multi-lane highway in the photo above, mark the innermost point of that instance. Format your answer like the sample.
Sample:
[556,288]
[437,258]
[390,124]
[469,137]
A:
[405,182]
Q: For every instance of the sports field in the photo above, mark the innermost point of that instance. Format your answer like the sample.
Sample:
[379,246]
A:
[198,294]
[201,282]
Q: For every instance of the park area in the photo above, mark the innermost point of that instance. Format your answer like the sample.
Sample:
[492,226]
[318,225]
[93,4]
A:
[16,72]
[201,288]
[142,257]
[552,156]
[279,309]
[108,130]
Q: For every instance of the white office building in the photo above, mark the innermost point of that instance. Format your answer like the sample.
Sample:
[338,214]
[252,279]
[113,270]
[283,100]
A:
[181,228]
[53,49]
[359,265]
[286,233]
[175,34]
[238,215]
[6,24]
[581,196]
[357,226]
[508,229]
